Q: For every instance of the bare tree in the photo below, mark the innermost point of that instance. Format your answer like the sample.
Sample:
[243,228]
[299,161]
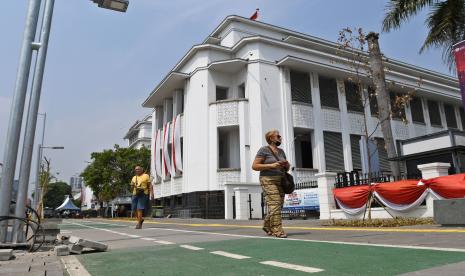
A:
[383,99]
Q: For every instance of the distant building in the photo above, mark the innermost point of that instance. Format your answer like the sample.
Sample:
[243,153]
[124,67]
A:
[138,135]
[76,183]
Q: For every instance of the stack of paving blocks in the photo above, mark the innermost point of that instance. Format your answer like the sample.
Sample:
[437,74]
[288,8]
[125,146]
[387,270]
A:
[51,230]
[75,245]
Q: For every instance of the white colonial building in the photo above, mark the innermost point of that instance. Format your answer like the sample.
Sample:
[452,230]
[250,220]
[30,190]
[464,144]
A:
[248,77]
[139,135]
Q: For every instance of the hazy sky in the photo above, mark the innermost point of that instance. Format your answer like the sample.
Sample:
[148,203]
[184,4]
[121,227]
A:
[102,64]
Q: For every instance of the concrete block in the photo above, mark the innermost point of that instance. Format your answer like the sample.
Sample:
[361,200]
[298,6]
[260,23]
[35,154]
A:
[6,254]
[449,211]
[62,250]
[74,239]
[75,248]
[93,244]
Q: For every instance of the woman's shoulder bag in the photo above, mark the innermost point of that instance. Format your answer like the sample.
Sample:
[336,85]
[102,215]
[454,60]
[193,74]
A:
[287,183]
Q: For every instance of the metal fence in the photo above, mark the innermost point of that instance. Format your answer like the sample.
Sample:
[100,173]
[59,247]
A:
[306,185]
[355,178]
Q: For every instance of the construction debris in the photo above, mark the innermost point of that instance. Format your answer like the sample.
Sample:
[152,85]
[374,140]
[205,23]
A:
[62,250]
[76,244]
[6,254]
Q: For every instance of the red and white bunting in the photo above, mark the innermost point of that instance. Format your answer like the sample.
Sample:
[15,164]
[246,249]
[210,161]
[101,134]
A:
[157,153]
[166,156]
[176,144]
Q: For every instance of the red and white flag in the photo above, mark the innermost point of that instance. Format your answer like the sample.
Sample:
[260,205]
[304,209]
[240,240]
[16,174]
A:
[255,15]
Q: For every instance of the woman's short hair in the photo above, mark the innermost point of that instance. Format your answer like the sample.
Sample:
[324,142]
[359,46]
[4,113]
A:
[269,134]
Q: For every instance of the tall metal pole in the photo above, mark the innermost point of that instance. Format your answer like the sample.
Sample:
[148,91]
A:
[37,187]
[39,160]
[16,114]
[31,122]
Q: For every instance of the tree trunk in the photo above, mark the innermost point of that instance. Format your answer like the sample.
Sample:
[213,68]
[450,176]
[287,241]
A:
[382,96]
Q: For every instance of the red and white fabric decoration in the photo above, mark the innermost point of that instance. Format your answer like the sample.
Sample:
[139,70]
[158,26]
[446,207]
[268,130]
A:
[157,153]
[176,145]
[401,195]
[166,155]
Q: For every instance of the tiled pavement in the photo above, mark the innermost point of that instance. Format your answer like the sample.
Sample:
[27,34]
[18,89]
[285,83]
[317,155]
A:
[32,264]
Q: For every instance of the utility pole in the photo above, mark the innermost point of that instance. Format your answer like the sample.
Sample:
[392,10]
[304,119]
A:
[382,97]
[31,122]
[16,114]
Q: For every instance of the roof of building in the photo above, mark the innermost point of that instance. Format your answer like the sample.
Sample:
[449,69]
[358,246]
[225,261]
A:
[288,38]
[135,127]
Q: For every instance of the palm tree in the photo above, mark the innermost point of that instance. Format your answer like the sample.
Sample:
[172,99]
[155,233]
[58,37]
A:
[445,21]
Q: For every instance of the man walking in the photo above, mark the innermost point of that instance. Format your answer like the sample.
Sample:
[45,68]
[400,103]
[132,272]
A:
[141,191]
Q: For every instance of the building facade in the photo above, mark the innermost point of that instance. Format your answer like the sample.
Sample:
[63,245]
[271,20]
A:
[248,77]
[77,184]
[139,134]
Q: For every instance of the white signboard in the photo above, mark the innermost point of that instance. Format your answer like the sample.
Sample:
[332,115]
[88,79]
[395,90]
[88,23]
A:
[305,199]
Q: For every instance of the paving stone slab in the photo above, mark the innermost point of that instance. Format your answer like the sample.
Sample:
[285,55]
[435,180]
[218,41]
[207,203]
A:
[6,254]
[62,250]
[94,245]
[35,273]
[75,248]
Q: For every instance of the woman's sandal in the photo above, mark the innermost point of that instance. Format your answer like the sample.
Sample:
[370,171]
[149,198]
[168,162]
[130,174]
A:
[267,231]
[281,235]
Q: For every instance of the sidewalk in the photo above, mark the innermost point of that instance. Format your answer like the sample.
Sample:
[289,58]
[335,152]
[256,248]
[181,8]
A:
[32,264]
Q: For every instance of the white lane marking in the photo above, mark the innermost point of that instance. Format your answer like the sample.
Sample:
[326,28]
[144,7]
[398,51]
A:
[148,239]
[65,232]
[190,247]
[307,269]
[230,255]
[448,249]
[134,236]
[164,242]
[73,266]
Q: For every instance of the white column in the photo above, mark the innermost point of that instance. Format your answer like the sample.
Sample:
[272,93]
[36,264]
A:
[242,206]
[408,116]
[457,117]
[167,110]
[432,170]
[244,142]
[177,102]
[287,120]
[228,205]
[326,182]
[424,104]
[345,127]
[443,115]
[317,142]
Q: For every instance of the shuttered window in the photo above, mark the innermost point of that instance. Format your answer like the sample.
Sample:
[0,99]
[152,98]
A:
[355,148]
[382,155]
[373,101]
[417,110]
[434,115]
[300,87]
[398,112]
[353,97]
[334,152]
[451,120]
[328,92]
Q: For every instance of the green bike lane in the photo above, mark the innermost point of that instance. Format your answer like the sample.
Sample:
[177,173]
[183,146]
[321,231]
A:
[333,259]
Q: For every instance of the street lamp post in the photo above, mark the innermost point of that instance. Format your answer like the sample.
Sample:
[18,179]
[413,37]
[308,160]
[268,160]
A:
[19,97]
[16,114]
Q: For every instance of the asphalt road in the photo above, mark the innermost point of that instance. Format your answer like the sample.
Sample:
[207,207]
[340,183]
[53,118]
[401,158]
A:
[220,247]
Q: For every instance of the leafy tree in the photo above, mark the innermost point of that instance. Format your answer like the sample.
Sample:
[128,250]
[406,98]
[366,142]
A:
[56,194]
[110,172]
[445,22]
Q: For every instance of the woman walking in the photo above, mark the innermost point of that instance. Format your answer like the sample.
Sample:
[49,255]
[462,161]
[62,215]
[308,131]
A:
[271,162]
